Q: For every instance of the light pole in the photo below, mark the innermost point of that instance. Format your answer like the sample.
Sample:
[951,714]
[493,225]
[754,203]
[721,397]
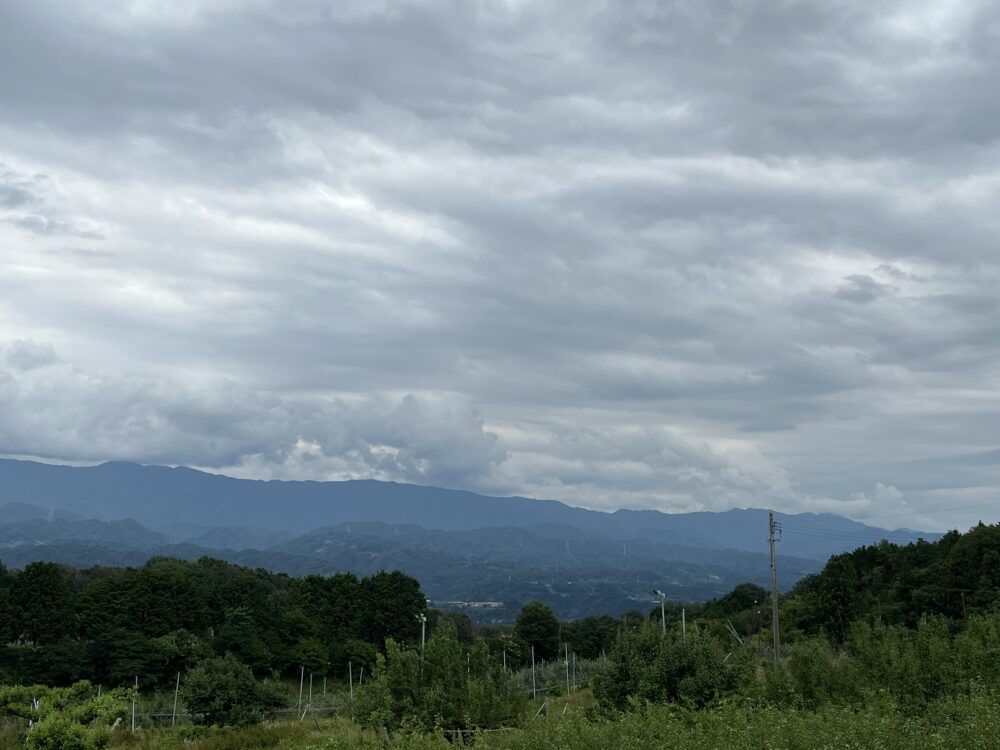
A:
[663,610]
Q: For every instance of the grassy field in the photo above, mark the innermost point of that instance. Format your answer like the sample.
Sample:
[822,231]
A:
[968,723]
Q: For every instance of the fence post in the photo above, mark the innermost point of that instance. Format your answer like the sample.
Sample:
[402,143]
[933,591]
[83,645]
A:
[567,669]
[177,689]
[534,689]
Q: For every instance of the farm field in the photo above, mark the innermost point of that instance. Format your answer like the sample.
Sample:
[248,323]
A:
[966,723]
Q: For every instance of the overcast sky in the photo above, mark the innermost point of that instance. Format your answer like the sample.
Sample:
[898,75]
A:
[675,255]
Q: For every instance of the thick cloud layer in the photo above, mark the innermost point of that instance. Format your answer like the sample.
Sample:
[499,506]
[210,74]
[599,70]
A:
[677,255]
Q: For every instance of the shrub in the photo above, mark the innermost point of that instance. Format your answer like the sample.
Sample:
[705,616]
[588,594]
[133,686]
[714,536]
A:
[58,732]
[222,690]
[447,686]
[649,665]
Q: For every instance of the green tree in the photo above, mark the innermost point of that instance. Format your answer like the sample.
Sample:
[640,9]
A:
[222,690]
[43,603]
[391,603]
[649,665]
[447,685]
[592,636]
[6,608]
[241,636]
[537,626]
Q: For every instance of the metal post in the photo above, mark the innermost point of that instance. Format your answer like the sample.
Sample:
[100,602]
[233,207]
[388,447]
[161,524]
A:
[134,695]
[302,680]
[310,688]
[534,688]
[350,678]
[567,669]
[177,689]
[773,529]
[684,624]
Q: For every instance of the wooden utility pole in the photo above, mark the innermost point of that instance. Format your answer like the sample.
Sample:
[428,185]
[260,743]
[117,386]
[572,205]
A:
[774,529]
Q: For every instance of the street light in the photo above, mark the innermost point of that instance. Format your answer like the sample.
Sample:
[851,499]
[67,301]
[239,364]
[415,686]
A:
[423,630]
[663,611]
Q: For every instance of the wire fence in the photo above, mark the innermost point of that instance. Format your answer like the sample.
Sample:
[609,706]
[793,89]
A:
[161,709]
[558,677]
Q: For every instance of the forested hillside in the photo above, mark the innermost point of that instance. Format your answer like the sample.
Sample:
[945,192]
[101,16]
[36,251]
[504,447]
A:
[109,625]
[954,577]
[885,642]
[574,574]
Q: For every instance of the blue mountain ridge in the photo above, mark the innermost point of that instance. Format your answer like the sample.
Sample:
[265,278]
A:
[183,503]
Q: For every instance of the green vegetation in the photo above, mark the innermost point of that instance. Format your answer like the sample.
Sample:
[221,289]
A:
[222,690]
[109,625]
[877,654]
[444,685]
[71,718]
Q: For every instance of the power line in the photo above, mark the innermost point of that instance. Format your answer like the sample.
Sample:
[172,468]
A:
[942,510]
[834,535]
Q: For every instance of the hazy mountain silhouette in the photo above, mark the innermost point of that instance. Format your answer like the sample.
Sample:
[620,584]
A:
[184,503]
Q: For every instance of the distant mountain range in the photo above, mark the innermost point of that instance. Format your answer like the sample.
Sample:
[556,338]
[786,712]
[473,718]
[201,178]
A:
[463,547]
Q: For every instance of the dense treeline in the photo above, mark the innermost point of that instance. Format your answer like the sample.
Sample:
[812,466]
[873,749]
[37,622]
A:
[109,625]
[954,578]
[898,632]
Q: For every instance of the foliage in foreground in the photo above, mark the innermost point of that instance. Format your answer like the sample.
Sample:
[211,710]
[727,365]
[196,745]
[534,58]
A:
[224,691]
[72,718]
[446,685]
[913,667]
[971,722]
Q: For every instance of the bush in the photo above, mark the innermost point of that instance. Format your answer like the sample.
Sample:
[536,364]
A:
[447,686]
[649,665]
[59,732]
[71,717]
[223,690]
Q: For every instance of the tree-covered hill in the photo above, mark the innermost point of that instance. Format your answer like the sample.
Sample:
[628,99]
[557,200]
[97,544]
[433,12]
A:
[510,566]
[111,624]
[955,576]
[896,585]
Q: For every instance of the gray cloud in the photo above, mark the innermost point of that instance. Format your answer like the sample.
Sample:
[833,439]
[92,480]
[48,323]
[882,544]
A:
[686,255]
[21,356]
